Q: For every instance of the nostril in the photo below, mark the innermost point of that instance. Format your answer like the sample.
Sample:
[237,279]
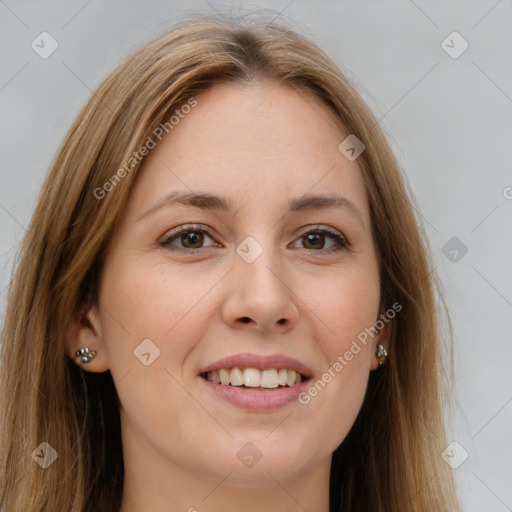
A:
[246,319]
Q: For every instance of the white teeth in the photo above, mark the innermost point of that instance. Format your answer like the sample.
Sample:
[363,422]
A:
[236,377]
[270,378]
[224,377]
[252,377]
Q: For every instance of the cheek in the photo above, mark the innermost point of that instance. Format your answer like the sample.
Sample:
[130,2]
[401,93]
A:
[346,308]
[342,398]
[164,305]
[346,304]
[151,321]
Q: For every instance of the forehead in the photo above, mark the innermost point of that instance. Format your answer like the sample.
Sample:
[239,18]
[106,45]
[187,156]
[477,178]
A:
[259,144]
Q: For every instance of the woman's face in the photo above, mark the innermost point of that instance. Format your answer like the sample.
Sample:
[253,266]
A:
[254,283]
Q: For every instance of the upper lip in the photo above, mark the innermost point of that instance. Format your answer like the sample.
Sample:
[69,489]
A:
[247,360]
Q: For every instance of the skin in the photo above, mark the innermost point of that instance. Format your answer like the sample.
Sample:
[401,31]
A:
[259,145]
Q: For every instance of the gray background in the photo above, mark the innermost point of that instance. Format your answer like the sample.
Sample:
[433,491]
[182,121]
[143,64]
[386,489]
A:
[449,121]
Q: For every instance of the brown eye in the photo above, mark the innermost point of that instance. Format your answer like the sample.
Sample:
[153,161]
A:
[187,239]
[192,239]
[316,240]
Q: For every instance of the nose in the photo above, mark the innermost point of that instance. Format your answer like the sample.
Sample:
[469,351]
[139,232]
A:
[260,296]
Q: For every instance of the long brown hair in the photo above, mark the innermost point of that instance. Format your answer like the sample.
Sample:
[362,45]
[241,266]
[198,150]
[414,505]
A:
[391,458]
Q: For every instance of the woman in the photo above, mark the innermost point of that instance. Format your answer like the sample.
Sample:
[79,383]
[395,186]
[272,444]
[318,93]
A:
[224,299]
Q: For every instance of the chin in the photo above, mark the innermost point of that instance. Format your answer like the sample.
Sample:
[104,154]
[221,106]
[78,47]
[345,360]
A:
[262,457]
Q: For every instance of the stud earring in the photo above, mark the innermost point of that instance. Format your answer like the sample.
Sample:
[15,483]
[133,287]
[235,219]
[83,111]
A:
[382,354]
[85,354]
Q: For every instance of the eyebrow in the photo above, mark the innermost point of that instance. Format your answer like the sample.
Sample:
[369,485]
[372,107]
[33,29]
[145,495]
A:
[218,203]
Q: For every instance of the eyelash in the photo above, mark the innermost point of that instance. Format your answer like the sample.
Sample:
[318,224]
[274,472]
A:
[341,241]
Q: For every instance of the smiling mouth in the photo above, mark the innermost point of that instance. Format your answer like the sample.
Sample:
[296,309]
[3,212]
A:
[254,379]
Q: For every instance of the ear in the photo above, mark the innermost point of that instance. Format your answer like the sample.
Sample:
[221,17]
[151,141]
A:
[85,332]
[382,338]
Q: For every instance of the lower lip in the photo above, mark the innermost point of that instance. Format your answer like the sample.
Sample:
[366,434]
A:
[257,400]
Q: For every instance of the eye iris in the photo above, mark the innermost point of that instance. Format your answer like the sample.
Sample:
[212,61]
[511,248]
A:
[314,238]
[192,238]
